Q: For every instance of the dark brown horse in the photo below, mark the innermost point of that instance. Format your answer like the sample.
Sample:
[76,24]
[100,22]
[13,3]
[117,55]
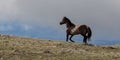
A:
[73,29]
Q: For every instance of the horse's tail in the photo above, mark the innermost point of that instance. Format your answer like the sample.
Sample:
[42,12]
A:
[89,33]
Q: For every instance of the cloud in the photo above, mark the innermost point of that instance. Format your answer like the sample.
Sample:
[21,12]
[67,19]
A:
[26,27]
[8,10]
[52,11]
[6,28]
[102,16]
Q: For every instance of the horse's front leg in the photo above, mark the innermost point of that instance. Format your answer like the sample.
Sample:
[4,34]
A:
[67,36]
[71,38]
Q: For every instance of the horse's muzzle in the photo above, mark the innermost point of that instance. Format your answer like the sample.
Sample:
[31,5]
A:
[61,23]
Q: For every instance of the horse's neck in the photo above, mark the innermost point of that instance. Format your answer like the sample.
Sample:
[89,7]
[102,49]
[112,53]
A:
[70,25]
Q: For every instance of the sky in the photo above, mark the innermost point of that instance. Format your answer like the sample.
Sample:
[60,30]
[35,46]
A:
[40,18]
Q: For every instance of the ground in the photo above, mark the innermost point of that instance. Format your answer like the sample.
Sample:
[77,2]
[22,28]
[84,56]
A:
[21,48]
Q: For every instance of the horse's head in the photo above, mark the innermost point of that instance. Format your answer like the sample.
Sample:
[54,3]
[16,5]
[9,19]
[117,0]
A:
[64,21]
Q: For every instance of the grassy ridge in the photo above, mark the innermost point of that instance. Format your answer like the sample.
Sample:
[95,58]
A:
[18,48]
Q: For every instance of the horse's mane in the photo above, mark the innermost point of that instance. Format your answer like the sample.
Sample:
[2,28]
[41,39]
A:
[69,22]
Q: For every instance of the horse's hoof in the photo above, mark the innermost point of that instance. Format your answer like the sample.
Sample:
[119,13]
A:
[73,41]
[66,41]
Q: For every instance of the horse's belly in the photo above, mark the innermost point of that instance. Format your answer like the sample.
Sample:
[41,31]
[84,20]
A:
[75,33]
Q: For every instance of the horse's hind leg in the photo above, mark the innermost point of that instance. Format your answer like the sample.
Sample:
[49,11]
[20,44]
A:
[85,40]
[71,38]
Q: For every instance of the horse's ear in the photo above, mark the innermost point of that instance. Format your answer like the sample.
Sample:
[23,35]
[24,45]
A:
[65,17]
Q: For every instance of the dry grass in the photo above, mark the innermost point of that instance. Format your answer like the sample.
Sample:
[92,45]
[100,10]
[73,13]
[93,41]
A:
[18,48]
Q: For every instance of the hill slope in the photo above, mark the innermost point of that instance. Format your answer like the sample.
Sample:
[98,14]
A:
[19,48]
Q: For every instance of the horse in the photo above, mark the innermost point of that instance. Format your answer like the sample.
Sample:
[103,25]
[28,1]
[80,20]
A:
[73,29]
